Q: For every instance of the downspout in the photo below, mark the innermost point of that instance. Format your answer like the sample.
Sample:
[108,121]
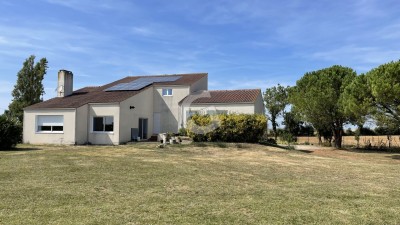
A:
[88,124]
[76,119]
[180,117]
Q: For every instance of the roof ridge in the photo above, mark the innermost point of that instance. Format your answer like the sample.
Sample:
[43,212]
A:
[174,74]
[91,86]
[250,89]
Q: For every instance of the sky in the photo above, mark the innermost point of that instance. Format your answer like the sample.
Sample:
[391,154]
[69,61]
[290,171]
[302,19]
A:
[240,44]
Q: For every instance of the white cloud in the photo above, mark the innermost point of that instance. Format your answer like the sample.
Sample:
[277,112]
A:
[357,57]
[145,31]
[242,84]
[91,6]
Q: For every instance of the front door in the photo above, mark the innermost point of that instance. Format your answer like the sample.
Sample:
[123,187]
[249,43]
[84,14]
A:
[143,128]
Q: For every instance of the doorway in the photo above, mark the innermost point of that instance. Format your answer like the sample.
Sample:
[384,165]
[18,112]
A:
[143,128]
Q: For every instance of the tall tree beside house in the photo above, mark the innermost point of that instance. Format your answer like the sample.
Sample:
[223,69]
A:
[29,88]
[276,100]
[318,97]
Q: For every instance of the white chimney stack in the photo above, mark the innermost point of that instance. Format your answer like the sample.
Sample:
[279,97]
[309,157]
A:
[65,83]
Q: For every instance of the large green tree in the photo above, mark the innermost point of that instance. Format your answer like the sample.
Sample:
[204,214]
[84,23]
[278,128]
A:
[384,89]
[276,99]
[29,88]
[376,94]
[318,97]
[357,100]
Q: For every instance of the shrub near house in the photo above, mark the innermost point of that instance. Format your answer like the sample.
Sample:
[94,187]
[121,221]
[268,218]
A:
[10,132]
[227,128]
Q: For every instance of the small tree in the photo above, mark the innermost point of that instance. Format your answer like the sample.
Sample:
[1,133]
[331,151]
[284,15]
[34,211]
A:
[287,137]
[276,99]
[29,88]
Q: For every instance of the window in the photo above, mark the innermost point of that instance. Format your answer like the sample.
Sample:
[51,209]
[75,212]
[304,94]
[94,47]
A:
[167,92]
[50,124]
[103,124]
[217,112]
[190,113]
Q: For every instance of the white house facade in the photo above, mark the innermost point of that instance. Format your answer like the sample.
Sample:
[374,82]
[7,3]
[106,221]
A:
[129,108]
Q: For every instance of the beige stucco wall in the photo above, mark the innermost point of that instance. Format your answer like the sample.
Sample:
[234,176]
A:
[104,138]
[168,106]
[143,103]
[259,107]
[30,134]
[82,125]
[200,85]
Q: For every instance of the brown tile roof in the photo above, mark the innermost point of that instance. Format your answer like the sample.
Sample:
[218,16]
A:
[87,95]
[226,96]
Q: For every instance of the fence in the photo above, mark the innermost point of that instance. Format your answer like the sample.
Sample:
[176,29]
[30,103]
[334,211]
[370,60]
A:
[375,141]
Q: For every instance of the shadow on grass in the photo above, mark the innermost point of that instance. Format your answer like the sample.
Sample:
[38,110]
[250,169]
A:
[397,157]
[278,146]
[373,150]
[20,149]
[305,151]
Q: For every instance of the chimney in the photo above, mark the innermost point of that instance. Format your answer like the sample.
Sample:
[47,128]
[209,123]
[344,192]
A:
[65,83]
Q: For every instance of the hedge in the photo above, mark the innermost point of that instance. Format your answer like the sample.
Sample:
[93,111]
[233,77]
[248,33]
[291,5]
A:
[10,133]
[227,128]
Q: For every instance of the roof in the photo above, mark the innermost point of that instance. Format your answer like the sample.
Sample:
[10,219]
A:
[87,95]
[223,96]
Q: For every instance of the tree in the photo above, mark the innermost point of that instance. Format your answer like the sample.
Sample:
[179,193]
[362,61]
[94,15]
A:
[292,123]
[318,98]
[376,94]
[357,100]
[276,99]
[29,88]
[384,92]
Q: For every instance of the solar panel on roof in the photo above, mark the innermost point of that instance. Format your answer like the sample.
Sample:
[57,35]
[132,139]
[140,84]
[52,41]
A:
[141,83]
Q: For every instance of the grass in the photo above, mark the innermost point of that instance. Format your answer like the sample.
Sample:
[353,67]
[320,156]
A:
[197,184]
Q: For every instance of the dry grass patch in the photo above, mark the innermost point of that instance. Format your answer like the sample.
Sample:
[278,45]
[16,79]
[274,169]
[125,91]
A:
[197,184]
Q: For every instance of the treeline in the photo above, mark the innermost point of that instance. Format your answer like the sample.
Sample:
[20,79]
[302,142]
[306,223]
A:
[325,100]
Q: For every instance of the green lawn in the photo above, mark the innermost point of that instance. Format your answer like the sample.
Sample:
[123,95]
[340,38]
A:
[225,184]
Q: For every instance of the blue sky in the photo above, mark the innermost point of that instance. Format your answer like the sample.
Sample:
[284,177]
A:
[241,44]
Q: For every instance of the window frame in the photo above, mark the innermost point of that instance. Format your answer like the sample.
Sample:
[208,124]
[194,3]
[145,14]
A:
[53,127]
[167,92]
[104,124]
[190,113]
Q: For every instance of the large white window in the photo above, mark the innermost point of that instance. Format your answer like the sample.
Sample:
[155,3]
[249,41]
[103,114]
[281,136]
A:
[50,124]
[167,92]
[217,112]
[103,124]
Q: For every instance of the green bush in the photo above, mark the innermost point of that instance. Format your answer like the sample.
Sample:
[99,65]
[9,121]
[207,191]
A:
[10,132]
[227,128]
[182,131]
[269,141]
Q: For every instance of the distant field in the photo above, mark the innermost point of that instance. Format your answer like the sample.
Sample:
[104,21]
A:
[212,184]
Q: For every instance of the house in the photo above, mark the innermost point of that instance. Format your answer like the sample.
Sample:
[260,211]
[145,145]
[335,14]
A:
[247,101]
[135,106]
